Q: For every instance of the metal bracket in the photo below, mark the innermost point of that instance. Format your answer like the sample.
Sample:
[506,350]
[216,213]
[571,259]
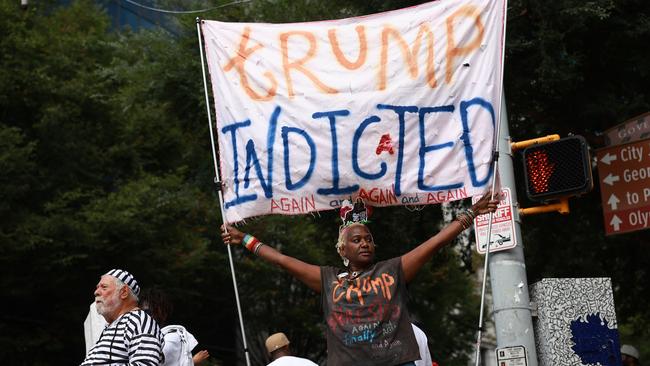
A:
[540,140]
[495,155]
[219,184]
[561,207]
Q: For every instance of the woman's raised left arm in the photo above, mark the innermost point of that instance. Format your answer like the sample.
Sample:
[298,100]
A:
[307,273]
[416,258]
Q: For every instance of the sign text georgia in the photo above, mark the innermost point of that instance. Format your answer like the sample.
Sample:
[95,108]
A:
[624,173]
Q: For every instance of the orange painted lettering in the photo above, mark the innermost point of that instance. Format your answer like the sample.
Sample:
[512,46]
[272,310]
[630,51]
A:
[388,282]
[366,285]
[410,55]
[377,283]
[453,50]
[238,62]
[357,291]
[299,65]
[340,57]
[335,297]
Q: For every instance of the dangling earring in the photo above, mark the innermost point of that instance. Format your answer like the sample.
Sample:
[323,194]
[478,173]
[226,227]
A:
[345,261]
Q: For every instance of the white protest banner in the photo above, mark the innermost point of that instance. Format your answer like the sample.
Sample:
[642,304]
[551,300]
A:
[395,108]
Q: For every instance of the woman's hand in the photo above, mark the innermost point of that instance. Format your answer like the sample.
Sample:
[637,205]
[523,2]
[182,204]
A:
[305,272]
[485,204]
[200,357]
[417,257]
[231,236]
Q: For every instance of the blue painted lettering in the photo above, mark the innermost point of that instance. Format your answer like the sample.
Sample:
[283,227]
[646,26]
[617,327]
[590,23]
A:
[258,165]
[335,156]
[366,337]
[424,149]
[232,129]
[312,157]
[401,111]
[355,151]
[465,137]
[253,161]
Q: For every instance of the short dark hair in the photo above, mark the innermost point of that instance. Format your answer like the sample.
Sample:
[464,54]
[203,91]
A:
[157,304]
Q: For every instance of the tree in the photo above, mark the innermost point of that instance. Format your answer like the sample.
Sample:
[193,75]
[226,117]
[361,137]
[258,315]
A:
[100,146]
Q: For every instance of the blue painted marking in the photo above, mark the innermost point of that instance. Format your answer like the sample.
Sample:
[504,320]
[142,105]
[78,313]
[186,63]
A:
[355,151]
[253,165]
[424,149]
[232,129]
[312,157]
[401,111]
[335,190]
[594,342]
[465,137]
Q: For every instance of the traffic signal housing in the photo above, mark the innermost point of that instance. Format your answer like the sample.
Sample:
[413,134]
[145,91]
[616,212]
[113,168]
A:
[557,169]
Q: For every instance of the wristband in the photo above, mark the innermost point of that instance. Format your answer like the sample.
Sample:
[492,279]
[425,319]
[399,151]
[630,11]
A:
[249,242]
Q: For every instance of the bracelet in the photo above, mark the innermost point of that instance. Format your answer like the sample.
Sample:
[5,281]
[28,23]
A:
[472,214]
[465,220]
[258,247]
[249,242]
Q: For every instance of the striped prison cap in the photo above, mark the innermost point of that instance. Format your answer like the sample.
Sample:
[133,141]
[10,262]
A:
[127,278]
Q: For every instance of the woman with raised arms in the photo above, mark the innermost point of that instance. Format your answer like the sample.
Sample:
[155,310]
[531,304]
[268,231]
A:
[365,303]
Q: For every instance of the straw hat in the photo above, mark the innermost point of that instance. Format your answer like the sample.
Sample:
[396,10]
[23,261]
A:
[276,341]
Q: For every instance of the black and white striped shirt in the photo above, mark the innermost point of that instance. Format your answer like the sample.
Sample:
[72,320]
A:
[132,339]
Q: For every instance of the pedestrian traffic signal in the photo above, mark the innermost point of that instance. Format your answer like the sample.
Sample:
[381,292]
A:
[557,169]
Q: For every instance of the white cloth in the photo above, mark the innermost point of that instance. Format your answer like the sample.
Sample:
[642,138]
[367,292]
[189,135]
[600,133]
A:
[423,344]
[177,353]
[93,326]
[292,361]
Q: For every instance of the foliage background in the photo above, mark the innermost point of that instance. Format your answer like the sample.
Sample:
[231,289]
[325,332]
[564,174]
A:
[106,162]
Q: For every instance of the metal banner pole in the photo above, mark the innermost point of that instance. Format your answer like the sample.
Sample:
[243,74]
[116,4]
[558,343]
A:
[218,182]
[495,167]
[495,158]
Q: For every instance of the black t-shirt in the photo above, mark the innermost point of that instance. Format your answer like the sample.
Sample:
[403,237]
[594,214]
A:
[367,319]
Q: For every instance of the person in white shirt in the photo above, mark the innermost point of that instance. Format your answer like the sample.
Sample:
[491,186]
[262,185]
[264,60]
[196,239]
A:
[423,344]
[93,326]
[629,355]
[179,342]
[277,345]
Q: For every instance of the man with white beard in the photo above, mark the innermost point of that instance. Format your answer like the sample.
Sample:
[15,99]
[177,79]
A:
[132,336]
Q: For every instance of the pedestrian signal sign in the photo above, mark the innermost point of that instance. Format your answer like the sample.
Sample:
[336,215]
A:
[557,169]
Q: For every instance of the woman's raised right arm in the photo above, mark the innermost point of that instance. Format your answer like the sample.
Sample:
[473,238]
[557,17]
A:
[307,273]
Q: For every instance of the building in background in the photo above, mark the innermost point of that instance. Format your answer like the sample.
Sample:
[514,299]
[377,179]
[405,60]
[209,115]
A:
[136,14]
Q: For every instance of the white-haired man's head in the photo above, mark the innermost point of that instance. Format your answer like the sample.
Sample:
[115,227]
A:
[116,292]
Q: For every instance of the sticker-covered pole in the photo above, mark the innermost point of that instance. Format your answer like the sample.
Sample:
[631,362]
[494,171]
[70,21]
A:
[512,310]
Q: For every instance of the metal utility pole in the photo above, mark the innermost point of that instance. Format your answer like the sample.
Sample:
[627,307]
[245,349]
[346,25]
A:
[507,269]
